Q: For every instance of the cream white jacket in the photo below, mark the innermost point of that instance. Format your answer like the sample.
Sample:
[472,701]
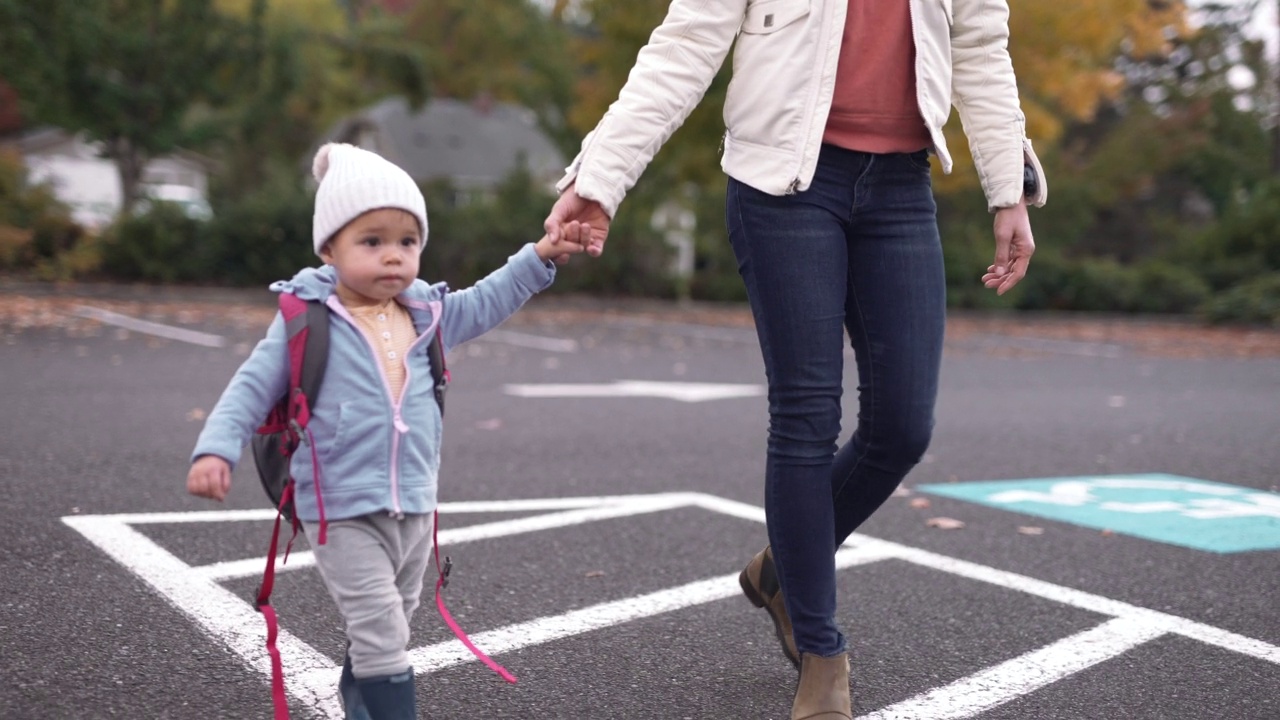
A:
[784,71]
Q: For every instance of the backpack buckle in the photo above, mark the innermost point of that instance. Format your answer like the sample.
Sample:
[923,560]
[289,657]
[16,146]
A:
[444,573]
[296,428]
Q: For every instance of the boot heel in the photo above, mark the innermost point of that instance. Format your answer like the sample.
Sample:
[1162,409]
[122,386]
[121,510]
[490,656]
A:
[750,591]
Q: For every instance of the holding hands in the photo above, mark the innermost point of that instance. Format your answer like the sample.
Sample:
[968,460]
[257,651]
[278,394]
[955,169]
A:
[570,239]
[570,210]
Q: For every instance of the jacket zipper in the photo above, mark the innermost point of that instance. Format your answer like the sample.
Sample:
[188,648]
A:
[915,42]
[812,107]
[399,427]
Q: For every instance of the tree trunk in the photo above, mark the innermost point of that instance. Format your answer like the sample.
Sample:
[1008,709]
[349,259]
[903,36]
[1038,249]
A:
[1275,107]
[130,163]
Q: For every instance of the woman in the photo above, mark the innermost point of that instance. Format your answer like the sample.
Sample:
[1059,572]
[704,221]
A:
[832,113]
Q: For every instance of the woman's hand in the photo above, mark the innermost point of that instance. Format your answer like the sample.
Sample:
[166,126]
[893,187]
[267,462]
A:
[1014,247]
[569,208]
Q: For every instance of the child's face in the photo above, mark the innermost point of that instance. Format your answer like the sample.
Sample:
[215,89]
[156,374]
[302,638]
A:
[376,254]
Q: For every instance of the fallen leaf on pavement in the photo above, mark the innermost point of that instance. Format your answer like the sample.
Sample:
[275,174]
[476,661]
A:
[491,424]
[596,573]
[1030,530]
[944,523]
[919,503]
[195,414]
[901,491]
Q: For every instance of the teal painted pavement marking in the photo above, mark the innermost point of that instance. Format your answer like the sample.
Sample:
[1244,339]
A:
[1198,514]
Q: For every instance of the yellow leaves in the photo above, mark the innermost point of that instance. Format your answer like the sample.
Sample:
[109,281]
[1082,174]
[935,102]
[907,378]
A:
[1064,52]
[608,55]
[1064,56]
[318,15]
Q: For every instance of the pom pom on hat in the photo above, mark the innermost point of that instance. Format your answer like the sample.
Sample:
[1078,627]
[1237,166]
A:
[320,166]
[354,181]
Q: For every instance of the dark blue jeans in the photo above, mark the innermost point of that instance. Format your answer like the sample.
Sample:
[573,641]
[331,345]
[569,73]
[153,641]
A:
[858,251]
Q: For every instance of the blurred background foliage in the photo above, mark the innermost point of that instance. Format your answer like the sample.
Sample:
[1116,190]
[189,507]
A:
[1156,123]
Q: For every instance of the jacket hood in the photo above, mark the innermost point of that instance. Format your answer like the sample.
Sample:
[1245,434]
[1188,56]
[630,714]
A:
[310,283]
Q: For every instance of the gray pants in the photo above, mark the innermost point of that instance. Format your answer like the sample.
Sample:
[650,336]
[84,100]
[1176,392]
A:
[373,566]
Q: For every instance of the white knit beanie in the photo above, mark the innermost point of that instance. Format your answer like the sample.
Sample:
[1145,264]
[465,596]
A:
[354,181]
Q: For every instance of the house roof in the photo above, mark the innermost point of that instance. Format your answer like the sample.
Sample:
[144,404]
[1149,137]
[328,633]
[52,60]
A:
[57,141]
[473,144]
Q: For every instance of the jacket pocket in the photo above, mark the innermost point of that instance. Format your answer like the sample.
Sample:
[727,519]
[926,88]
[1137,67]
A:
[334,445]
[768,16]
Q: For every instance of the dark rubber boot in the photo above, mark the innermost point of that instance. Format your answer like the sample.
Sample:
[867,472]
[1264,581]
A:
[389,697]
[352,702]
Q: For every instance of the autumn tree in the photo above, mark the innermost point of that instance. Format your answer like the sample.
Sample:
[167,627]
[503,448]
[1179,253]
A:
[312,62]
[125,73]
[1171,152]
[1064,55]
[509,50]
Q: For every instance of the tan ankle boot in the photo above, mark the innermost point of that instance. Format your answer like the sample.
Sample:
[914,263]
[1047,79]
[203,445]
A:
[823,692]
[759,583]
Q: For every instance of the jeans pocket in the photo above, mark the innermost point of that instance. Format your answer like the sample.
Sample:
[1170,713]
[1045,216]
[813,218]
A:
[920,160]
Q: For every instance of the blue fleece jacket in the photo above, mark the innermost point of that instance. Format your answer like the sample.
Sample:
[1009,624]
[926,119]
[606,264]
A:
[376,453]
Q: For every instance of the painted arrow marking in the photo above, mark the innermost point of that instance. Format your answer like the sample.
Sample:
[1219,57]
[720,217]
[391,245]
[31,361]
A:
[682,391]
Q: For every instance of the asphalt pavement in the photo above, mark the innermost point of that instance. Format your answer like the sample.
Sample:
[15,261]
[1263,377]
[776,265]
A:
[602,485]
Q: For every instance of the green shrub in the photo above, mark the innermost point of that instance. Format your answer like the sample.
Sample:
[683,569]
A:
[1244,244]
[469,240]
[159,244]
[260,237]
[1256,301]
[1088,284]
[37,234]
[1167,288]
[967,250]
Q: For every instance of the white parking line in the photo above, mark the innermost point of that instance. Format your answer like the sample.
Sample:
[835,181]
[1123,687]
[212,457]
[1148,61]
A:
[597,617]
[247,568]
[226,618]
[689,392]
[312,676]
[150,328]
[536,342]
[1023,675]
[1031,586]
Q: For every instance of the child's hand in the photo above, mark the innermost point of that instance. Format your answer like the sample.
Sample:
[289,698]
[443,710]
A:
[574,237]
[210,477]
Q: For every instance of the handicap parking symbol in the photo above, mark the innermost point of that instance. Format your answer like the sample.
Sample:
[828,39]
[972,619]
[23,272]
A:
[1193,513]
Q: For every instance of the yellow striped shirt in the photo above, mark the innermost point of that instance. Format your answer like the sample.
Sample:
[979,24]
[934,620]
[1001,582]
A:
[390,328]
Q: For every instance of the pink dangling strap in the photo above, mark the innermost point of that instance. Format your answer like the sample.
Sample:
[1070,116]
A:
[315,468]
[441,582]
[279,700]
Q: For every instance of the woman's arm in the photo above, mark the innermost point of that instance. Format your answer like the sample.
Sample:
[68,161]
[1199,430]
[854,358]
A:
[985,91]
[670,76]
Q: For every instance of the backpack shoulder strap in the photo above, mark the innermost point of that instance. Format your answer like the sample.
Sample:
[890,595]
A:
[316,352]
[307,329]
[439,373]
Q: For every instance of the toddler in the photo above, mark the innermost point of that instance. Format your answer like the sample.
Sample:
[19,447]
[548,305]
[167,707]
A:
[376,425]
